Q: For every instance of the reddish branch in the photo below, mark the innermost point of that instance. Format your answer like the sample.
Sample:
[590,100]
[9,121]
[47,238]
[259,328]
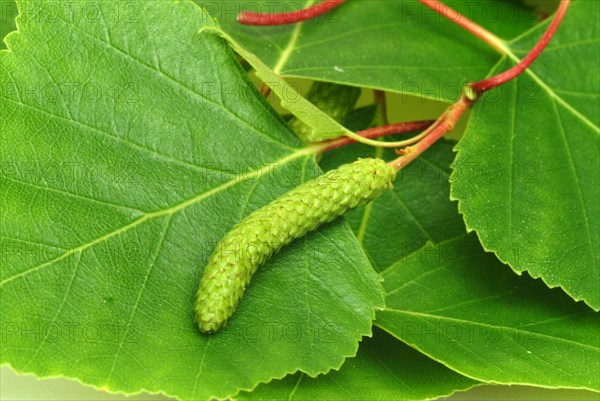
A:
[399,128]
[473,91]
[266,19]
[438,129]
[480,32]
[497,80]
[447,121]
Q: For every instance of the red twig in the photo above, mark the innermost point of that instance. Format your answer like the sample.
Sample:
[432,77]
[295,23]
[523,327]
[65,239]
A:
[265,19]
[438,129]
[497,80]
[472,92]
[399,128]
[265,90]
[459,19]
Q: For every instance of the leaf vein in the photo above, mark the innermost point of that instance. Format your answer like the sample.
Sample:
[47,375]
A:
[492,326]
[237,179]
[178,83]
[139,296]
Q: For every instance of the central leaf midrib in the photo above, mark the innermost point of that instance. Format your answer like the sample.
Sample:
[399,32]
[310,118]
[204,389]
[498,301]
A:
[171,210]
[553,94]
[287,52]
[426,316]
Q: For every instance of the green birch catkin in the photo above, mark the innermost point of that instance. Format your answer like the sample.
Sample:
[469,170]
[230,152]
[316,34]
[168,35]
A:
[252,241]
[333,99]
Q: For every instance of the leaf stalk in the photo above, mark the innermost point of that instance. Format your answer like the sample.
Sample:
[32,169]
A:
[272,19]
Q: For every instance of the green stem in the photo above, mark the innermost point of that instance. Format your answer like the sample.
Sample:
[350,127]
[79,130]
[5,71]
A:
[392,129]
[379,99]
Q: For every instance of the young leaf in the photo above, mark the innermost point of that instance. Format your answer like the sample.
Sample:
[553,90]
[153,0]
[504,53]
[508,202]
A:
[130,145]
[320,123]
[527,169]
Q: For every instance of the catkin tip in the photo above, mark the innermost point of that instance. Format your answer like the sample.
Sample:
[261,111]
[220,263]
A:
[207,326]
[208,322]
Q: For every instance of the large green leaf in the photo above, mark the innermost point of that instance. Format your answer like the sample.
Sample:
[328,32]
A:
[383,369]
[462,307]
[395,45]
[527,169]
[130,145]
